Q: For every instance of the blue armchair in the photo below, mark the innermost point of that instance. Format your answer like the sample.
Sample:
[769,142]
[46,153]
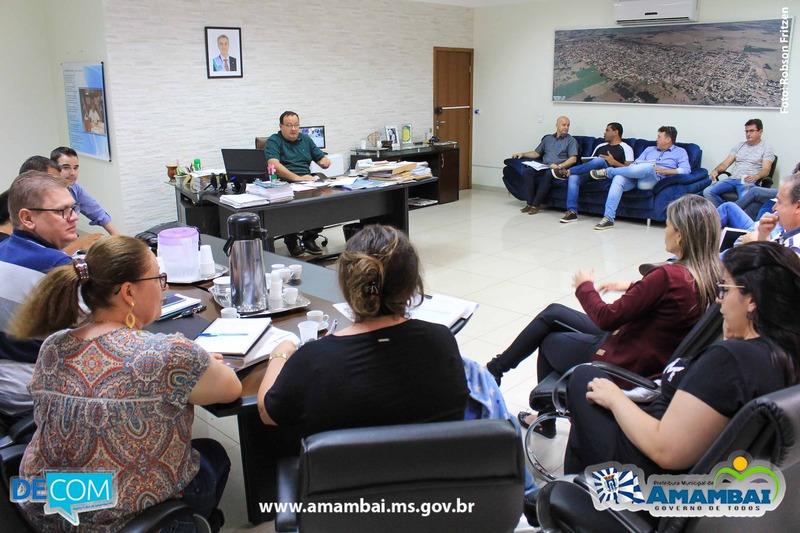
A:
[648,205]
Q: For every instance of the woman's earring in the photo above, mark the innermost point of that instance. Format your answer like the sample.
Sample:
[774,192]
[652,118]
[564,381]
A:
[750,315]
[130,319]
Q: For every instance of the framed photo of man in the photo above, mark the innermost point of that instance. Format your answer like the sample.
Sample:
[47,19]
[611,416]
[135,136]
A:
[223,52]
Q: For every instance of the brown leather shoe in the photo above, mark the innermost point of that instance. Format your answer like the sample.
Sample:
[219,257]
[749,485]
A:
[534,210]
[525,209]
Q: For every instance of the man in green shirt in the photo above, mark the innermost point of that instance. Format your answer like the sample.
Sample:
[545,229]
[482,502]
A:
[292,153]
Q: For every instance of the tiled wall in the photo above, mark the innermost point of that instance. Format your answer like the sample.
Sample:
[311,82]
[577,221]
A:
[352,66]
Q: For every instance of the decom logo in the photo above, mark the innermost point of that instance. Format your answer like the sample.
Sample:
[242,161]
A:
[67,493]
[737,487]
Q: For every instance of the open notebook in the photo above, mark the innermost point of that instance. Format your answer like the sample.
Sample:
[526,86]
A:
[232,336]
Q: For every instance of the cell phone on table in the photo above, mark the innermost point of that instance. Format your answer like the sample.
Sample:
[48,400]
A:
[171,299]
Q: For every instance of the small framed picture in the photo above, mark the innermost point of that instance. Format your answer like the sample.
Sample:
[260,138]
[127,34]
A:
[391,134]
[405,134]
[223,52]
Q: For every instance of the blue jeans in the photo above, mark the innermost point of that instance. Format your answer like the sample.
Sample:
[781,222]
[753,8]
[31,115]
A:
[641,175]
[205,490]
[578,175]
[714,192]
[733,216]
[754,199]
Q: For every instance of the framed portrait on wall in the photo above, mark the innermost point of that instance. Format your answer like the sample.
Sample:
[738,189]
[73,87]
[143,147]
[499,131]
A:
[391,134]
[223,52]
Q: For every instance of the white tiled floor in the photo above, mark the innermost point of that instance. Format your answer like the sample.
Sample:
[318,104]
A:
[483,249]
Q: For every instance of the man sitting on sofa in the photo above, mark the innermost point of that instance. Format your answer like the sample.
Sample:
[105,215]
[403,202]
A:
[751,160]
[558,151]
[612,153]
[656,162]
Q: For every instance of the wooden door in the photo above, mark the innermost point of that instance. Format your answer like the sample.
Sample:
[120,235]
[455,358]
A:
[452,103]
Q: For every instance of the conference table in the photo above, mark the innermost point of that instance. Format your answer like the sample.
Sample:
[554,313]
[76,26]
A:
[320,207]
[262,446]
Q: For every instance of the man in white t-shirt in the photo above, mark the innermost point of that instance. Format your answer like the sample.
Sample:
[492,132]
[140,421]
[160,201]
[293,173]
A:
[751,160]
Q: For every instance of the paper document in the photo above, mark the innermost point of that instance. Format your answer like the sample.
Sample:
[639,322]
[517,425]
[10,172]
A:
[436,308]
[262,349]
[536,165]
[302,186]
[445,310]
[232,336]
[243,200]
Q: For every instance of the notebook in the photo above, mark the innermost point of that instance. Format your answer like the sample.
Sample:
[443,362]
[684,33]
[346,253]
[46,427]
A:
[232,336]
[247,163]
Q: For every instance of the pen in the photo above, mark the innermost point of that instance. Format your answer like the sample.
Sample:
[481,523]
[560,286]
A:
[223,335]
[332,329]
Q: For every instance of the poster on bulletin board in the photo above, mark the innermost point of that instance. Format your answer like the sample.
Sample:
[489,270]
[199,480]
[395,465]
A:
[87,121]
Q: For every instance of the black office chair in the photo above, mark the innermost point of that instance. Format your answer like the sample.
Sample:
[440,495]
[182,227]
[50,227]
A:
[21,432]
[763,182]
[549,395]
[768,428]
[477,462]
[152,519]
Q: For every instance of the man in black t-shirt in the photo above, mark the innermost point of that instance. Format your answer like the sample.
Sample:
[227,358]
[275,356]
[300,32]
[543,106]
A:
[612,153]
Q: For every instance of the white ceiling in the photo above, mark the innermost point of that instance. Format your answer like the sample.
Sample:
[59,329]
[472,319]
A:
[475,3]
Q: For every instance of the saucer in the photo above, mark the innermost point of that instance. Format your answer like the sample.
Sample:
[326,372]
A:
[322,326]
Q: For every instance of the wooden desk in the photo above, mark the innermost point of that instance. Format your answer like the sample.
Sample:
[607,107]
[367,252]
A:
[309,209]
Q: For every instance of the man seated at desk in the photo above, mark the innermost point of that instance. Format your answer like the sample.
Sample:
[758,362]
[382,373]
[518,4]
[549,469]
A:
[292,152]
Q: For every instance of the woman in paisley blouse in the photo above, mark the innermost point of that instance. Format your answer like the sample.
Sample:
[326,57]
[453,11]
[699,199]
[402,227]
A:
[109,396]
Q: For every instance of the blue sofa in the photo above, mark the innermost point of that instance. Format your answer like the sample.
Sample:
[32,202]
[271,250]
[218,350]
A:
[648,205]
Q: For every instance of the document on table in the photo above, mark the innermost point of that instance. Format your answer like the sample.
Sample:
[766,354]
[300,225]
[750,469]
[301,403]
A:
[436,308]
[232,336]
[262,349]
[536,165]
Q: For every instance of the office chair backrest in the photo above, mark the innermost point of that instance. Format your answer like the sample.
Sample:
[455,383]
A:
[261,143]
[476,462]
[706,332]
[768,428]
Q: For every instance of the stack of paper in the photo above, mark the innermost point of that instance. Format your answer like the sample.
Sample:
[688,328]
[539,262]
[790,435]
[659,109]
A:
[240,201]
[262,349]
[389,169]
[272,192]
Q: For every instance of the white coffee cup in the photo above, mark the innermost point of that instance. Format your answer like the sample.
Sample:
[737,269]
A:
[363,144]
[229,312]
[222,283]
[277,266]
[285,274]
[308,331]
[297,271]
[290,295]
[317,316]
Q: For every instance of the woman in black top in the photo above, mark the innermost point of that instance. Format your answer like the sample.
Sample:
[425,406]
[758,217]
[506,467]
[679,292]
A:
[385,368]
[699,396]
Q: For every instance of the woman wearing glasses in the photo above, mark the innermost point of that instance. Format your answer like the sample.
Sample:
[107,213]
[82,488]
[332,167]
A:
[109,396]
[640,330]
[699,396]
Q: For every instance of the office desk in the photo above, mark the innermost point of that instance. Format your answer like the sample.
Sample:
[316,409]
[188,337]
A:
[309,209]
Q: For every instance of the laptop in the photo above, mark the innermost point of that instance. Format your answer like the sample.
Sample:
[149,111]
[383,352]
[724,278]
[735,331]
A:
[247,163]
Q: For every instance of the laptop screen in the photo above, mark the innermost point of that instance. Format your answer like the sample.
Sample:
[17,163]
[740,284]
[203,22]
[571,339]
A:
[245,162]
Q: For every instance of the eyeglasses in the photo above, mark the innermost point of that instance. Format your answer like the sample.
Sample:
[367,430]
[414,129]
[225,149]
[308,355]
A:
[750,131]
[723,289]
[66,212]
[292,126]
[161,277]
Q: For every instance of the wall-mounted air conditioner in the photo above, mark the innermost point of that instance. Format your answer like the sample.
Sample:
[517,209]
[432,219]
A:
[629,12]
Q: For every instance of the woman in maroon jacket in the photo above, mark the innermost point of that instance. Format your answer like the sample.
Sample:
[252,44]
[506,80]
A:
[642,328]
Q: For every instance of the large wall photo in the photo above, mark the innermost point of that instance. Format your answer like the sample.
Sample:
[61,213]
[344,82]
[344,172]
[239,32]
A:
[727,64]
